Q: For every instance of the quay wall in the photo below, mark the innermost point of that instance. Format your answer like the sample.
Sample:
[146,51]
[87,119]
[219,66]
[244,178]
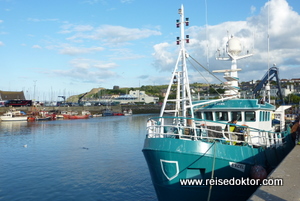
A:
[136,109]
[288,170]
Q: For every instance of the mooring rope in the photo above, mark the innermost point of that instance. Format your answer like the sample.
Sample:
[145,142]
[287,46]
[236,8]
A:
[212,172]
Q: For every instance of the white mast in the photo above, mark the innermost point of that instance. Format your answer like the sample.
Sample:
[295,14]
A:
[183,100]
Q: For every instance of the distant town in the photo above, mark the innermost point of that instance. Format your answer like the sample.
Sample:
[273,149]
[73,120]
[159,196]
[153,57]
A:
[149,94]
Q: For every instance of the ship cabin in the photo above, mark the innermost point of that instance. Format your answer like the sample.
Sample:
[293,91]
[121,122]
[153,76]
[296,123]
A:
[251,115]
[246,111]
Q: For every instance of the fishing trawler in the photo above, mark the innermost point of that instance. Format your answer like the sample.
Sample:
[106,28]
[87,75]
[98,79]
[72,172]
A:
[191,150]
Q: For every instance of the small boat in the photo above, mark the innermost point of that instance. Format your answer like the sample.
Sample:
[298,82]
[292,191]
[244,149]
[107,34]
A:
[118,114]
[85,112]
[30,118]
[45,118]
[78,116]
[59,116]
[66,114]
[194,150]
[14,115]
[97,115]
[107,112]
[127,112]
[39,118]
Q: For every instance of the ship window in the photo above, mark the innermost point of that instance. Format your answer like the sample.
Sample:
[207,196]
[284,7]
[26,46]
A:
[221,116]
[250,116]
[198,115]
[236,115]
[264,116]
[208,115]
[260,116]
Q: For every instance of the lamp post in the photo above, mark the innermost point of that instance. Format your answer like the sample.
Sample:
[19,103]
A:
[34,89]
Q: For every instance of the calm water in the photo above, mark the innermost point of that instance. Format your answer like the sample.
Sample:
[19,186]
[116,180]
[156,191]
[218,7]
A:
[89,159]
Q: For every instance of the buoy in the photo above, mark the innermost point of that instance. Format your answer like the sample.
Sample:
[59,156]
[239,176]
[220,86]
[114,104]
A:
[25,145]
[258,172]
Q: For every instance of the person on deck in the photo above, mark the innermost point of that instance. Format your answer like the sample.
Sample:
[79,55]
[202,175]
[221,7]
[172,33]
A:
[231,127]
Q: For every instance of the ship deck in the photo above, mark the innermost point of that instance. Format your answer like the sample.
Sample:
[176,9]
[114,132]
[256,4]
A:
[289,171]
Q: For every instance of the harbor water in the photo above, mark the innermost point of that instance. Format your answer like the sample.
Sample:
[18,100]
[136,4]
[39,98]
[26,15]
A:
[88,159]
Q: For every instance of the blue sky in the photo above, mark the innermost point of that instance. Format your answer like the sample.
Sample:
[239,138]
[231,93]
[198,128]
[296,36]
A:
[67,47]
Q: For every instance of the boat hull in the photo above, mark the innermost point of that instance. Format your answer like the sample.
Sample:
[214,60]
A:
[170,160]
[79,116]
[14,118]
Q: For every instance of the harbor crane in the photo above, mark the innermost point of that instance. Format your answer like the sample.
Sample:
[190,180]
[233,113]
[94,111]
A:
[271,73]
[63,97]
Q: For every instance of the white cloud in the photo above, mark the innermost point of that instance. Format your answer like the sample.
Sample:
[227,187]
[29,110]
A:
[70,28]
[253,32]
[70,50]
[36,47]
[163,58]
[109,34]
[81,28]
[90,63]
[1,43]
[89,71]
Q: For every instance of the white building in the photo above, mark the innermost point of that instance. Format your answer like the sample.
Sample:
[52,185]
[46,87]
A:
[285,91]
[143,97]
[136,96]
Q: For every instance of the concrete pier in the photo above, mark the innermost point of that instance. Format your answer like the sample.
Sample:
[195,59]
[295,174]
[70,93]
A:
[289,171]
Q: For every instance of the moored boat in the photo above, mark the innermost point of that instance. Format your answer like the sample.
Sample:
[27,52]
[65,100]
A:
[118,114]
[78,116]
[14,115]
[107,112]
[127,112]
[192,150]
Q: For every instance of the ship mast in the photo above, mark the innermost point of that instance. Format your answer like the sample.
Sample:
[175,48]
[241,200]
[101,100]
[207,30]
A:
[233,49]
[183,100]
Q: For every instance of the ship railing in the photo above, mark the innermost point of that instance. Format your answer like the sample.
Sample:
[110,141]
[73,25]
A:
[210,131]
[266,138]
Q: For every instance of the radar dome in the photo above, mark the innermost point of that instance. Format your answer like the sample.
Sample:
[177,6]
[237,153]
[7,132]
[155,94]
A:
[234,46]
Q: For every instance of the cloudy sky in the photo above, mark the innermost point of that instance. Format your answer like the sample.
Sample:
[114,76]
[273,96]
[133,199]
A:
[68,47]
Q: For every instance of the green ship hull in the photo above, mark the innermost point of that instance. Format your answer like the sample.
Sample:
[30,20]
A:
[199,160]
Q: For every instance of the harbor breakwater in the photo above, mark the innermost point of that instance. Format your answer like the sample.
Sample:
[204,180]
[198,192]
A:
[136,109]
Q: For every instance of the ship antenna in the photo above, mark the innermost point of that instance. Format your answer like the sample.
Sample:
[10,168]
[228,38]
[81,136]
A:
[206,32]
[268,82]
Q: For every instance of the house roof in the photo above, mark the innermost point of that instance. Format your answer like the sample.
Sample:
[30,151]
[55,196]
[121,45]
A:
[10,95]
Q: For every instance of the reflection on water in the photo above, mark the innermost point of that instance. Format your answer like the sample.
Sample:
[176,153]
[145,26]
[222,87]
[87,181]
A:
[88,159]
[12,126]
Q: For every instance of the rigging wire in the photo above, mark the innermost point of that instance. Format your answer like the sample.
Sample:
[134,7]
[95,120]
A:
[203,75]
[206,69]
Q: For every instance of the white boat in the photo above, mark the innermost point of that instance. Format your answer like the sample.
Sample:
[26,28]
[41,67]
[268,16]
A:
[14,115]
[97,115]
[127,112]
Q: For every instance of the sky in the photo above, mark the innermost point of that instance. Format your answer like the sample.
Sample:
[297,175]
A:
[68,47]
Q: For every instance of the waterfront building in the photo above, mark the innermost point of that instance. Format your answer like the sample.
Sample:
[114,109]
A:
[12,95]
